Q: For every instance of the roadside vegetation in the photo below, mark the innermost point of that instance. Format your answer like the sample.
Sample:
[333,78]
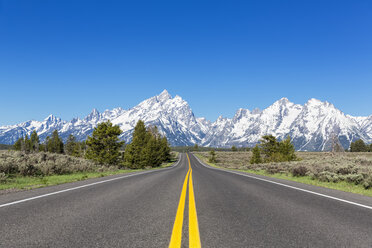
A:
[347,171]
[360,146]
[5,147]
[33,164]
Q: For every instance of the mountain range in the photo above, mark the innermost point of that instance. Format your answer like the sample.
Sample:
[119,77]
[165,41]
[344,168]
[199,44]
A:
[311,126]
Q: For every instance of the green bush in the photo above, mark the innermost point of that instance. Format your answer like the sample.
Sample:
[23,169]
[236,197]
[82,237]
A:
[354,178]
[367,184]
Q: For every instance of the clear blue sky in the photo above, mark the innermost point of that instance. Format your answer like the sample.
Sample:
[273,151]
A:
[67,57]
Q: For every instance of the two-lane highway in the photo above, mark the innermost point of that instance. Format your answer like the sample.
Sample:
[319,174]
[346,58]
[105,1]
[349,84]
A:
[219,208]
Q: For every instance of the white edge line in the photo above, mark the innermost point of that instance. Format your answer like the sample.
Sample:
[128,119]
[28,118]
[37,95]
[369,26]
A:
[285,185]
[87,185]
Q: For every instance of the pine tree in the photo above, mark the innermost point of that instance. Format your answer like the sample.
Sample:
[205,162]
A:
[287,150]
[72,147]
[151,153]
[165,150]
[47,144]
[134,154]
[256,155]
[54,144]
[18,144]
[42,148]
[269,145]
[27,144]
[196,147]
[104,144]
[358,146]
[35,142]
[212,157]
[234,149]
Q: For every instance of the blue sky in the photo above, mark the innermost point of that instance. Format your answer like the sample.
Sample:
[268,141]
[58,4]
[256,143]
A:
[67,57]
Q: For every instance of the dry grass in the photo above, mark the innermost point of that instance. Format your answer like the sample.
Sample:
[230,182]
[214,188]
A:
[43,164]
[19,171]
[354,168]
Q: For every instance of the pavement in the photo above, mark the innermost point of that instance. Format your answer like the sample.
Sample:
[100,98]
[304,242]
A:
[217,207]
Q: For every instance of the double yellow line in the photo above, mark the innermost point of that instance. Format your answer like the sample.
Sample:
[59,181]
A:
[194,237]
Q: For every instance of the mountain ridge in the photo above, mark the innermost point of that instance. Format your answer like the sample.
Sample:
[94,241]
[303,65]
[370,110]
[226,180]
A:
[311,126]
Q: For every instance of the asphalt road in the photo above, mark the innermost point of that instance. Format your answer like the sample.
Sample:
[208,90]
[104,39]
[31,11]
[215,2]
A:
[140,211]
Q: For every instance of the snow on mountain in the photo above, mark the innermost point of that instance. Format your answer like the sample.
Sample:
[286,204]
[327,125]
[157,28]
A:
[310,126]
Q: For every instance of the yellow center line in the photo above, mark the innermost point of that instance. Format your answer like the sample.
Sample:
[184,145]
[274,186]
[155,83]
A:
[177,227]
[194,237]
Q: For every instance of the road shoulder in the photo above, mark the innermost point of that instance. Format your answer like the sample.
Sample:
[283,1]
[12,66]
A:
[347,196]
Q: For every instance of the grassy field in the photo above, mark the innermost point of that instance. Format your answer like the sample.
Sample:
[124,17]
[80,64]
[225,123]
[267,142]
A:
[350,172]
[51,169]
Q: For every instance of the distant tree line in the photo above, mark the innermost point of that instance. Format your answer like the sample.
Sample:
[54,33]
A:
[52,144]
[360,146]
[197,148]
[5,147]
[148,147]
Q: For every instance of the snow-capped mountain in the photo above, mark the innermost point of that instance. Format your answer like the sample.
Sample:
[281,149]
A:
[311,126]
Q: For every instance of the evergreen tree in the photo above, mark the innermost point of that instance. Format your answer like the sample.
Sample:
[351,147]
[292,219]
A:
[275,151]
[358,146]
[287,150]
[148,148]
[42,148]
[54,144]
[104,144]
[151,153]
[269,145]
[18,144]
[47,144]
[256,155]
[212,157]
[165,150]
[234,149]
[27,144]
[196,147]
[34,141]
[134,154]
[72,147]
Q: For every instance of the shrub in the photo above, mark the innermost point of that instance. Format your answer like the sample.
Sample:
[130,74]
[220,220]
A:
[299,171]
[28,169]
[354,178]
[367,184]
[345,170]
[3,177]
[42,164]
[272,169]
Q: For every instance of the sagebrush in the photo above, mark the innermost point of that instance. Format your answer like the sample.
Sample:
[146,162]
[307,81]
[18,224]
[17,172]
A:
[354,168]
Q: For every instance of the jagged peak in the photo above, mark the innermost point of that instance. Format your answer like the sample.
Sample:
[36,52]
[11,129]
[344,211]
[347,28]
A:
[94,114]
[164,95]
[282,101]
[313,102]
[241,112]
[256,111]
[95,111]
[51,118]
